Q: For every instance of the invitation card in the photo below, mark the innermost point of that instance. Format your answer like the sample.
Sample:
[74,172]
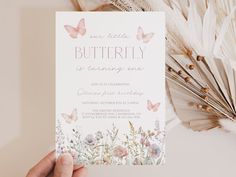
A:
[110,87]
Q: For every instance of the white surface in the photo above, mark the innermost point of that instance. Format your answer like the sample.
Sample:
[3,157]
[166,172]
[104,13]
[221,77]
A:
[27,105]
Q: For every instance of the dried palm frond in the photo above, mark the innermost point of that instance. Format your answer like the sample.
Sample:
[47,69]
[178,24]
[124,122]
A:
[106,7]
[200,57]
[76,5]
[228,125]
[131,5]
[201,50]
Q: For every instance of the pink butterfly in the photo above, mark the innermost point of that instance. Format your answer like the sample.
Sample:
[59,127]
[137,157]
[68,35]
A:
[152,107]
[74,31]
[69,118]
[145,38]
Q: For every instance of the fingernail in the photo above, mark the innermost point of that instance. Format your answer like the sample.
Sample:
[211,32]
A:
[66,159]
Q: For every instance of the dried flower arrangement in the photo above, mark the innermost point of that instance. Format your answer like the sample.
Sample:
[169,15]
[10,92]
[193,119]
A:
[200,57]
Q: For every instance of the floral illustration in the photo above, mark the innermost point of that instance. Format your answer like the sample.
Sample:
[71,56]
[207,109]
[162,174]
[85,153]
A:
[136,147]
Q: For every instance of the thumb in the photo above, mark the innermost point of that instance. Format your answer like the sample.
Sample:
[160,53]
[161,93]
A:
[64,166]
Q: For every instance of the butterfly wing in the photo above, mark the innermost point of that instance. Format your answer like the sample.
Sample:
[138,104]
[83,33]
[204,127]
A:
[155,107]
[67,118]
[81,27]
[73,32]
[140,33]
[147,37]
[152,107]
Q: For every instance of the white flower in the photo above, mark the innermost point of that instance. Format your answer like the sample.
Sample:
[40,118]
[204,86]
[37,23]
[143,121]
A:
[90,140]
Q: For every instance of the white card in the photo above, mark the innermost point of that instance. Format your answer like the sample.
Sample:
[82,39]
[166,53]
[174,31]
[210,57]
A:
[110,87]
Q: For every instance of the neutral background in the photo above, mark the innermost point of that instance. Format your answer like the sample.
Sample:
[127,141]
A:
[27,104]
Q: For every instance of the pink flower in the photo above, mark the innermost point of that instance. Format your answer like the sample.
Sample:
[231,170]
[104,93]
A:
[154,151]
[120,151]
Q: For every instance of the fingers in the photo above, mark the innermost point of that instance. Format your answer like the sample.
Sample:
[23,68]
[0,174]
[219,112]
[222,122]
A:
[64,166]
[82,172]
[76,167]
[44,167]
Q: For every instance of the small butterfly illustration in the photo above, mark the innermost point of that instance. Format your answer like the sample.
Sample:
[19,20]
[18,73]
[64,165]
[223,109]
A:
[75,31]
[145,38]
[152,107]
[69,118]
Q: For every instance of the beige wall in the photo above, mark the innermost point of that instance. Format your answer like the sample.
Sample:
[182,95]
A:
[27,105]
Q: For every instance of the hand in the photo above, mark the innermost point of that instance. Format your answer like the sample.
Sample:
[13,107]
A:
[63,167]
